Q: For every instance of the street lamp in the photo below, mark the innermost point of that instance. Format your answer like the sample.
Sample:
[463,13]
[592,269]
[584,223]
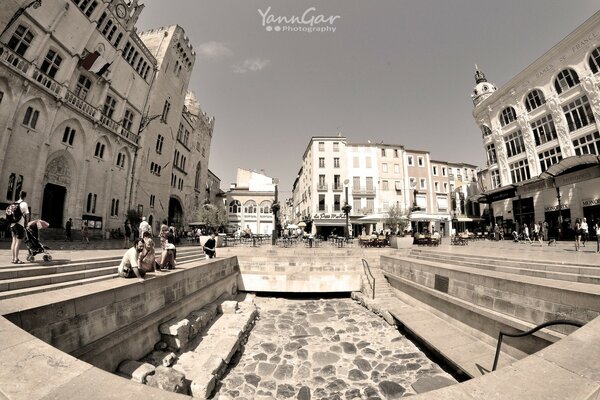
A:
[275,208]
[560,219]
[346,209]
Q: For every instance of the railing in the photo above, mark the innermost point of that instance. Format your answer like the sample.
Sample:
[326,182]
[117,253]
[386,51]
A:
[12,60]
[80,104]
[46,81]
[368,273]
[530,332]
[322,188]
[109,123]
[127,134]
[338,188]
[363,191]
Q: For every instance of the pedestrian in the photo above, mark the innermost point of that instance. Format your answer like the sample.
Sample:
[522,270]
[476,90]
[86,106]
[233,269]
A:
[210,246]
[144,227]
[68,227]
[127,233]
[85,233]
[584,231]
[526,233]
[130,264]
[597,229]
[20,213]
[577,234]
[3,225]
[545,230]
[540,235]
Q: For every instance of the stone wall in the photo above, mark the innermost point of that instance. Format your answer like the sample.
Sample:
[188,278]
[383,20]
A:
[104,328]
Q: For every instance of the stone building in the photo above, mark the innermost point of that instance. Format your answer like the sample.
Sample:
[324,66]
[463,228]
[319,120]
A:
[76,126]
[540,135]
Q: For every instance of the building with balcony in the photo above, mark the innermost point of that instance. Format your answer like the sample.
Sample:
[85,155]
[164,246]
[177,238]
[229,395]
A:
[77,126]
[540,135]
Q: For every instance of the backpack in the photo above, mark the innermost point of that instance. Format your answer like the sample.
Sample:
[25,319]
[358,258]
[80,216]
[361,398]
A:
[14,213]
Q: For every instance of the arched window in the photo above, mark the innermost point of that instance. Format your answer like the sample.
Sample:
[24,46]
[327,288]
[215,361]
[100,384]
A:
[265,207]
[31,117]
[565,79]
[534,99]
[68,136]
[594,60]
[508,115]
[250,207]
[235,207]
[99,152]
[485,130]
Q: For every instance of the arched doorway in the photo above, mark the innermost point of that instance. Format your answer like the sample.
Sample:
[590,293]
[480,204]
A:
[175,212]
[53,204]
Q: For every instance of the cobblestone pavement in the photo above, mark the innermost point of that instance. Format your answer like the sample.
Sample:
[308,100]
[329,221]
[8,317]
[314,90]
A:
[326,349]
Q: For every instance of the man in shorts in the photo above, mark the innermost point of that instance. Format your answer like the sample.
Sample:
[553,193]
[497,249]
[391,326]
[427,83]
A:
[130,264]
[18,229]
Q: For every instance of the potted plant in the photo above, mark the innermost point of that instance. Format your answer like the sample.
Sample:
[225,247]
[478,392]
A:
[397,221]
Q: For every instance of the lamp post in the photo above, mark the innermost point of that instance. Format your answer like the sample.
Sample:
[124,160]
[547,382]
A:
[346,209]
[275,209]
[560,219]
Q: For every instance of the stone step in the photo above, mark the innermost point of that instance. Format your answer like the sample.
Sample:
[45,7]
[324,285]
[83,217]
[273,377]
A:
[55,286]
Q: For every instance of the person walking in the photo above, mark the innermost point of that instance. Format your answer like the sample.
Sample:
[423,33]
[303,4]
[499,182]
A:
[597,229]
[17,228]
[577,234]
[584,231]
[539,233]
[127,227]
[68,227]
[144,227]
[85,233]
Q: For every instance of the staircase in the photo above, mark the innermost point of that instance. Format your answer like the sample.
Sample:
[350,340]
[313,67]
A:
[33,278]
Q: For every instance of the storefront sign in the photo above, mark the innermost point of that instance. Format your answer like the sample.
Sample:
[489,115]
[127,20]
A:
[534,187]
[328,216]
[580,176]
[593,202]
[555,208]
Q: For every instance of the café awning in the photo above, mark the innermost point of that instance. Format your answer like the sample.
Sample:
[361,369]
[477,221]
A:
[417,216]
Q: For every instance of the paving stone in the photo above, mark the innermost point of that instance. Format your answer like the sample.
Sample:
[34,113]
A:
[325,357]
[349,348]
[269,347]
[284,372]
[357,375]
[302,354]
[429,383]
[391,390]
[328,370]
[252,379]
[362,364]
[304,393]
[285,391]
[265,369]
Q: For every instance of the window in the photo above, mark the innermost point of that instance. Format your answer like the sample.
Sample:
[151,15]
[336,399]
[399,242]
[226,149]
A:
[519,171]
[336,162]
[99,152]
[1,96]
[544,130]
[235,207]
[384,167]
[355,162]
[445,187]
[198,176]
[382,152]
[83,87]
[443,171]
[396,168]
[422,183]
[91,203]
[436,186]
[321,162]
[594,60]
[159,143]
[322,203]
[321,180]
[395,153]
[121,160]
[367,162]
[68,136]
[86,6]
[356,182]
[20,40]
[109,106]
[336,146]
[356,205]
[385,185]
[114,208]
[321,146]
[165,111]
[410,161]
[435,170]
[588,144]
[514,143]
[420,161]
[578,113]
[412,182]
[370,205]
[485,131]
[369,183]
[491,154]
[508,115]
[565,79]
[128,120]
[336,202]
[495,177]
[534,99]
[31,117]
[337,183]
[11,187]
[549,158]
[51,63]
[152,200]
[398,186]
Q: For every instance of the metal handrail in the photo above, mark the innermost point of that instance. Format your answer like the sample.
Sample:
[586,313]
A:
[367,269]
[571,322]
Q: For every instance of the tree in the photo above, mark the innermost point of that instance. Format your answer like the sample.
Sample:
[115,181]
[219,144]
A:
[134,217]
[396,220]
[214,217]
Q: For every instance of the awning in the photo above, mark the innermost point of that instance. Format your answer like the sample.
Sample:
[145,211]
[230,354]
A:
[570,163]
[329,222]
[423,216]
[467,219]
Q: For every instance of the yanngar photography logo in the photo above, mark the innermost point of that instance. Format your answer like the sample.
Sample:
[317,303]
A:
[309,21]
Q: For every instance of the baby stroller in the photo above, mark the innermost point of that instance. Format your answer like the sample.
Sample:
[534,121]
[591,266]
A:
[34,247]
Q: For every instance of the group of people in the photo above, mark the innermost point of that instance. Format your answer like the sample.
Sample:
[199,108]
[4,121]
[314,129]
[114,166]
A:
[537,233]
[141,257]
[582,233]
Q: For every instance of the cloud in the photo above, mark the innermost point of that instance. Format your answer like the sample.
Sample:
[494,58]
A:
[251,64]
[214,50]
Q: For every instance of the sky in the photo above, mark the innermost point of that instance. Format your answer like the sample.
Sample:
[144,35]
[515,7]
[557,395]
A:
[397,71]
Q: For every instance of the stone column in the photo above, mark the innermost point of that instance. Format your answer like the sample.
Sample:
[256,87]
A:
[80,194]
[590,86]
[528,139]
[501,156]
[562,129]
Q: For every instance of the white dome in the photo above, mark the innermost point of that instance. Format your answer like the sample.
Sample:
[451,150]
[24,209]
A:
[483,89]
